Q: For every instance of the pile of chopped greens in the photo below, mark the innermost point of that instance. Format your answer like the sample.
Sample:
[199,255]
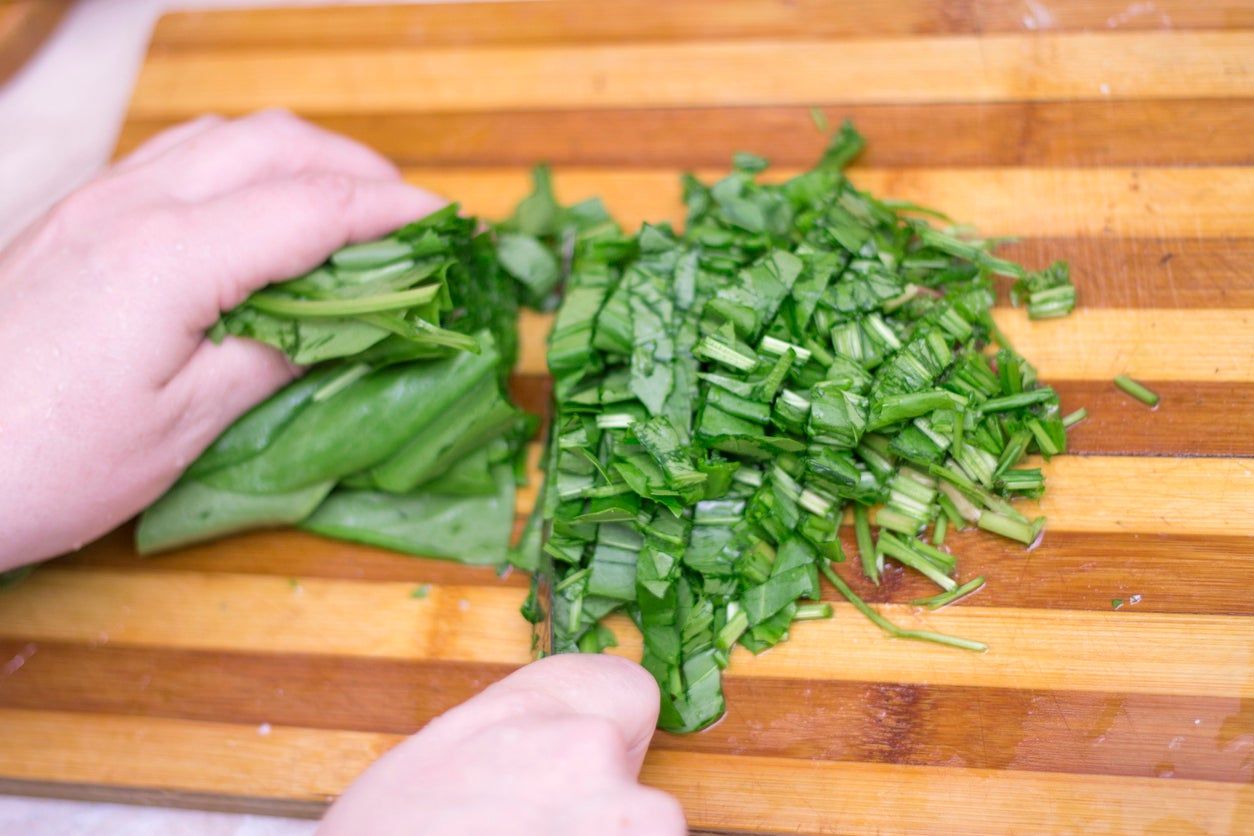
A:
[726,394]
[400,435]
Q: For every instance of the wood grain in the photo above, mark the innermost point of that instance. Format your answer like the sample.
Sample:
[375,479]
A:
[1093,344]
[719,791]
[1068,570]
[743,793]
[1104,203]
[1062,133]
[930,726]
[1183,423]
[1157,272]
[683,20]
[1113,135]
[1051,649]
[1178,65]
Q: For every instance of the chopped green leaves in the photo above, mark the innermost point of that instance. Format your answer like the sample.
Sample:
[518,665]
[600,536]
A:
[725,393]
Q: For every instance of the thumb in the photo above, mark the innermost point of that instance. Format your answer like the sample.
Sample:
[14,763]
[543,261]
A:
[607,687]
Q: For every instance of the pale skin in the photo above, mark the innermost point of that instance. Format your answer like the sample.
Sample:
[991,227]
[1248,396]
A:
[108,389]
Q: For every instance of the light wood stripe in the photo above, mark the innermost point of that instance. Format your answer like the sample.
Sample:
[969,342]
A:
[1153,344]
[1131,494]
[1049,649]
[619,20]
[1102,202]
[1091,344]
[718,791]
[890,70]
[1063,133]
[1056,731]
[760,794]
[142,752]
[993,68]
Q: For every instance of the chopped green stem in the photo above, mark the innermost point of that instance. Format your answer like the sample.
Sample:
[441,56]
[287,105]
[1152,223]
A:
[1074,418]
[371,254]
[949,510]
[812,612]
[894,548]
[866,548]
[944,598]
[939,529]
[280,305]
[572,579]
[1136,390]
[940,558]
[1019,400]
[1007,527]
[345,378]
[895,520]
[886,625]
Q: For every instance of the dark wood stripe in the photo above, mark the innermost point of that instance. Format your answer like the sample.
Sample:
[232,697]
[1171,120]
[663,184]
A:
[1082,571]
[1147,272]
[569,21]
[1098,733]
[1192,419]
[289,553]
[1074,133]
[1068,570]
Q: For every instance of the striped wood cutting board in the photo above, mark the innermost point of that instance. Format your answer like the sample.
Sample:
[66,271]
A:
[264,672]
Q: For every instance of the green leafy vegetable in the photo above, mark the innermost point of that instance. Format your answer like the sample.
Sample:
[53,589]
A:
[402,435]
[724,394]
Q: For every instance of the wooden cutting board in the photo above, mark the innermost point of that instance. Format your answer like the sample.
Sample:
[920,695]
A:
[266,671]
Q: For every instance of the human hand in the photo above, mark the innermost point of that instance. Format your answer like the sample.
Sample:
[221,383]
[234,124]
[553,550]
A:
[108,388]
[552,749]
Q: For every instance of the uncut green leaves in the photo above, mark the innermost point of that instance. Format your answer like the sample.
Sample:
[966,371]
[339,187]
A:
[725,394]
[401,434]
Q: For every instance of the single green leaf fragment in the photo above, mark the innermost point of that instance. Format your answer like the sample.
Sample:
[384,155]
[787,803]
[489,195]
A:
[892,629]
[1137,390]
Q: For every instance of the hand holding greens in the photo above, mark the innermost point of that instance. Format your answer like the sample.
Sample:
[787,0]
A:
[401,435]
